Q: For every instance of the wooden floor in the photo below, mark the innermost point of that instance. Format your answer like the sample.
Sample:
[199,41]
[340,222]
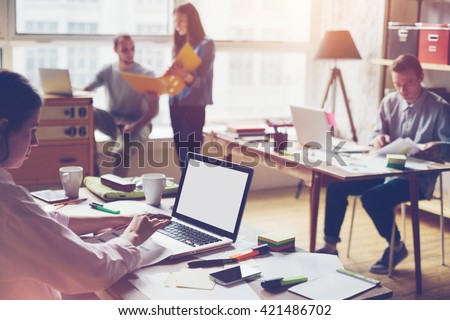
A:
[278,210]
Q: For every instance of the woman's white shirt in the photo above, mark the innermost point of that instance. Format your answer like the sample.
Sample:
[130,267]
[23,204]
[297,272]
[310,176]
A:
[40,257]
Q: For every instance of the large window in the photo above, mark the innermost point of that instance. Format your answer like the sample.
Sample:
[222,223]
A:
[101,17]
[262,46]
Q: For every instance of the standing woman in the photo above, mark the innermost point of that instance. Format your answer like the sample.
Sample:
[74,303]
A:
[187,109]
[41,254]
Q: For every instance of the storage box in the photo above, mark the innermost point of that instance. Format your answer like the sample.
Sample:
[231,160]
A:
[402,39]
[433,43]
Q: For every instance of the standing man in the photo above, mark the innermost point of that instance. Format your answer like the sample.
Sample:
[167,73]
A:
[129,113]
[410,112]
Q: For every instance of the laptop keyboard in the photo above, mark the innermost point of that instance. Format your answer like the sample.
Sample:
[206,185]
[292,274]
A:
[187,234]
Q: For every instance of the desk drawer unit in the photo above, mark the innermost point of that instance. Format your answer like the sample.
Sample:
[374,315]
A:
[64,113]
[65,132]
[44,163]
[66,138]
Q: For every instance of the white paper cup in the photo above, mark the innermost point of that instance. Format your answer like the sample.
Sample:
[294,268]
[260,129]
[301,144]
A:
[153,185]
[71,178]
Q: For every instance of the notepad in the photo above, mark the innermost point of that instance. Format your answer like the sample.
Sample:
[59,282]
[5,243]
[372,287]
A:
[332,286]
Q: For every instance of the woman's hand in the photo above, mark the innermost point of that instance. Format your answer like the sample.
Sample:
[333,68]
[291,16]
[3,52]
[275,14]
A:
[177,69]
[143,225]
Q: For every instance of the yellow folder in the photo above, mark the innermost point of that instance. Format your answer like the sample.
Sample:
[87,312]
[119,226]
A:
[165,84]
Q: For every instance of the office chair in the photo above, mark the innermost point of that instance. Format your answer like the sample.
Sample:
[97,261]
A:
[403,213]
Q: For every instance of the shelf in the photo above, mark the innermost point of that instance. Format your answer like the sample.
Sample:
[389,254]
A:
[425,66]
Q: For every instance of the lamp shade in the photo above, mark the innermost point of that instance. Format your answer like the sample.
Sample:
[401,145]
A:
[337,45]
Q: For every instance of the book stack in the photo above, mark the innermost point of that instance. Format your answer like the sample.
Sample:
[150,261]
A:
[246,130]
[277,241]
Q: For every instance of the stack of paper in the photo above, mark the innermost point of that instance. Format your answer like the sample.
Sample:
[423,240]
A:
[400,146]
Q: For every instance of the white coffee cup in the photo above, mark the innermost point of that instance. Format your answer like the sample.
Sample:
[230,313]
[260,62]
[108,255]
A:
[71,178]
[153,185]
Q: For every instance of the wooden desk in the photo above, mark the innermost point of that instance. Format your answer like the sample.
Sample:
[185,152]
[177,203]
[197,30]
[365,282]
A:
[316,176]
[124,290]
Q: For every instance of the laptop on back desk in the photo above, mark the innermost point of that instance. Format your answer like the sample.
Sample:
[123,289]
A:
[57,82]
[211,199]
[311,125]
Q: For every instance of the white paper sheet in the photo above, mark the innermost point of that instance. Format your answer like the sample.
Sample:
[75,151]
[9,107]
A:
[312,265]
[151,252]
[153,286]
[399,146]
[194,278]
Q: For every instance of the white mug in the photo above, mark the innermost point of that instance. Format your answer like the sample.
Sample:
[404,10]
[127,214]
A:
[153,185]
[71,178]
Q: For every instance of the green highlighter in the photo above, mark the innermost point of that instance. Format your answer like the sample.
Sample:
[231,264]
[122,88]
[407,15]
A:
[282,282]
[100,207]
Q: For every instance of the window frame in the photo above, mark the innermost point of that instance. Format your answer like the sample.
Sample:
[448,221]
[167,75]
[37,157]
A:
[9,38]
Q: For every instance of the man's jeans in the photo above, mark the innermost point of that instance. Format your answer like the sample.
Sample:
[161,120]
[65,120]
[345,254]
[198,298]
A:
[377,197]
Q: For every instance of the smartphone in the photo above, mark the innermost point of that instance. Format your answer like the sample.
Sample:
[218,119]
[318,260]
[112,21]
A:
[49,196]
[235,274]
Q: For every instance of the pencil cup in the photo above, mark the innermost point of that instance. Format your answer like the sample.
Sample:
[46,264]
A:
[153,185]
[71,178]
[280,140]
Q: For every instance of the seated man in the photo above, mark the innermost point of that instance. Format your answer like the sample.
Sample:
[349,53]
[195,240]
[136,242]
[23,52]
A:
[129,113]
[411,111]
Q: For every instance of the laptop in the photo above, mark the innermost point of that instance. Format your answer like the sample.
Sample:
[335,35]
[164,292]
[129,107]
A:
[211,198]
[311,126]
[57,82]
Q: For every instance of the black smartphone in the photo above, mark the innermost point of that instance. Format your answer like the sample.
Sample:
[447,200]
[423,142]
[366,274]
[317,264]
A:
[235,274]
[49,196]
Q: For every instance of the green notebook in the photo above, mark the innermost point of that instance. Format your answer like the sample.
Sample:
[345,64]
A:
[108,194]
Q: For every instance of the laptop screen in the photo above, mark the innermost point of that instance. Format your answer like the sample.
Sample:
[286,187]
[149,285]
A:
[212,194]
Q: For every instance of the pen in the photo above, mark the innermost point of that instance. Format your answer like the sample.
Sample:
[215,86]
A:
[253,252]
[211,263]
[358,276]
[100,207]
[281,282]
[74,201]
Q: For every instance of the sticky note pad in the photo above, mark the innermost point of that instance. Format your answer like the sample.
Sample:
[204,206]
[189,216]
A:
[396,161]
[277,241]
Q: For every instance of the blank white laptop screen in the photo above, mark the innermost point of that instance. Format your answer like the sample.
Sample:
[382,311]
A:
[212,194]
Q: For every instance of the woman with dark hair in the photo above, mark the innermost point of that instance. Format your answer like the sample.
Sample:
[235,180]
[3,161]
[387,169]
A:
[41,254]
[187,109]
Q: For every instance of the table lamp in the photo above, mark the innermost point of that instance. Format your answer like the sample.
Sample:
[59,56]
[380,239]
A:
[338,45]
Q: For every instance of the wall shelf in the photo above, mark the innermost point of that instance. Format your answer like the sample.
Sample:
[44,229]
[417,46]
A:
[425,66]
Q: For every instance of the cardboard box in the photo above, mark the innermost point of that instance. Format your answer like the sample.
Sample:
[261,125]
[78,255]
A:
[403,38]
[434,43]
